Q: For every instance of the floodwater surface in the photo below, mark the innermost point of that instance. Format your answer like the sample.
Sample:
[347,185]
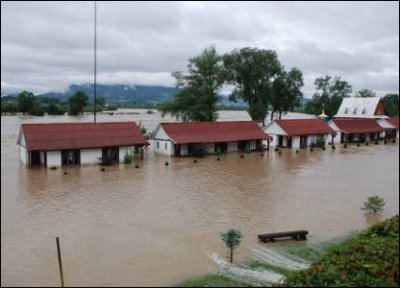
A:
[153,225]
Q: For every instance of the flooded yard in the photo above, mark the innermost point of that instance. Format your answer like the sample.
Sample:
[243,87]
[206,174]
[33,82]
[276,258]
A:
[153,225]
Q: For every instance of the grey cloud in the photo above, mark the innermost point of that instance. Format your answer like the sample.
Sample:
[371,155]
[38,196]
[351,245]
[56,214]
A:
[49,45]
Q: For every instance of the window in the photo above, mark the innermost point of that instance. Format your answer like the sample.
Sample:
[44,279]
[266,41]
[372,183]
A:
[346,110]
[364,110]
[166,146]
[355,111]
[158,144]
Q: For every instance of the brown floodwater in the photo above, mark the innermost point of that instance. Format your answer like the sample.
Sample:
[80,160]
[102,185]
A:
[151,226]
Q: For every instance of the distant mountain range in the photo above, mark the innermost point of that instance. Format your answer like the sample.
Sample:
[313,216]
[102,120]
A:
[125,94]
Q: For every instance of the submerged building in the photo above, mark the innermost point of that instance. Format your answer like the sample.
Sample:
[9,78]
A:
[62,144]
[298,133]
[356,130]
[187,138]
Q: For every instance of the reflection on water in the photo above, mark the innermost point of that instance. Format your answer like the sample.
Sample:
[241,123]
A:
[150,226]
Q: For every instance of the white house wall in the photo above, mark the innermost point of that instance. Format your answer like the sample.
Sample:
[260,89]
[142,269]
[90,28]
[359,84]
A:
[296,142]
[164,147]
[274,129]
[23,155]
[42,158]
[90,156]
[53,159]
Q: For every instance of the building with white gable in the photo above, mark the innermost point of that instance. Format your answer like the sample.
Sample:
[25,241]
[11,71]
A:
[359,107]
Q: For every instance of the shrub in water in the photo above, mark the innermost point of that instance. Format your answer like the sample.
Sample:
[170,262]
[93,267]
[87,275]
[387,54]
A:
[366,143]
[358,144]
[262,154]
[128,158]
[194,161]
[102,169]
[136,166]
[166,163]
[311,149]
[345,146]
[242,156]
[376,142]
[297,150]
[53,167]
[276,149]
[280,152]
[65,172]
[218,159]
[333,147]
[323,148]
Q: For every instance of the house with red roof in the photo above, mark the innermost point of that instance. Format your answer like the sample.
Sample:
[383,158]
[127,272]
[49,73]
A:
[187,138]
[298,133]
[391,126]
[62,144]
[356,130]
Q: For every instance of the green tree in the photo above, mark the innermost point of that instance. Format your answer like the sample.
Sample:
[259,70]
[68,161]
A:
[54,109]
[364,93]
[9,106]
[329,95]
[26,101]
[232,239]
[37,109]
[197,100]
[391,104]
[252,71]
[77,102]
[286,91]
[374,204]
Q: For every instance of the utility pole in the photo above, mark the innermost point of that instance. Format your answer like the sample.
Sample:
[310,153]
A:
[59,262]
[95,59]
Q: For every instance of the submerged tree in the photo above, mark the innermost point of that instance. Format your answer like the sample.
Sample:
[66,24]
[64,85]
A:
[231,239]
[77,102]
[365,93]
[286,93]
[197,100]
[252,72]
[26,101]
[374,204]
[329,95]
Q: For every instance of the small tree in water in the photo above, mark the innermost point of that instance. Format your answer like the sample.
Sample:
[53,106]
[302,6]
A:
[231,239]
[374,204]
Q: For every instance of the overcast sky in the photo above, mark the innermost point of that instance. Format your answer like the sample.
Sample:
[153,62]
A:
[46,46]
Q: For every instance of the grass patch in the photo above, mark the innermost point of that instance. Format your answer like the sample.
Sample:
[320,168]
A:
[212,280]
[260,265]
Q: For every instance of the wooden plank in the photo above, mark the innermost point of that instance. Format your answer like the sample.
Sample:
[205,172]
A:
[295,235]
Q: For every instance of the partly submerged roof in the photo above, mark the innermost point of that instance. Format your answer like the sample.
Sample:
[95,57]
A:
[61,136]
[349,126]
[210,132]
[394,121]
[297,127]
[361,107]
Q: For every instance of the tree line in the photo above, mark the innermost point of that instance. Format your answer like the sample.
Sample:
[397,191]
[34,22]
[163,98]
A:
[261,81]
[27,103]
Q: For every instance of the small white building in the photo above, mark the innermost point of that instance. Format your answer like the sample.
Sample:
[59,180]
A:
[187,138]
[298,133]
[391,126]
[62,144]
[356,130]
[361,107]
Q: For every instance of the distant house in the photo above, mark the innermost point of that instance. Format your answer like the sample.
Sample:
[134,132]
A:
[391,126]
[298,133]
[61,144]
[359,107]
[356,130]
[184,139]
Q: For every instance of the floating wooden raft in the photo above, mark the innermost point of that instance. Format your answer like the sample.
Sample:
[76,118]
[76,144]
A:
[295,235]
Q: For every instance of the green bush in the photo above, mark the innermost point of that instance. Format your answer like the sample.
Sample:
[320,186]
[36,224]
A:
[128,158]
[370,259]
[37,110]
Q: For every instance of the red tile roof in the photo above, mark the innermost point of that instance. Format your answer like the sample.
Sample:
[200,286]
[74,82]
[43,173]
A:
[394,121]
[297,127]
[349,126]
[210,132]
[60,136]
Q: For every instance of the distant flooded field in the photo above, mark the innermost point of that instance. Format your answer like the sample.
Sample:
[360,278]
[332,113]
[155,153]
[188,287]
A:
[154,225]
